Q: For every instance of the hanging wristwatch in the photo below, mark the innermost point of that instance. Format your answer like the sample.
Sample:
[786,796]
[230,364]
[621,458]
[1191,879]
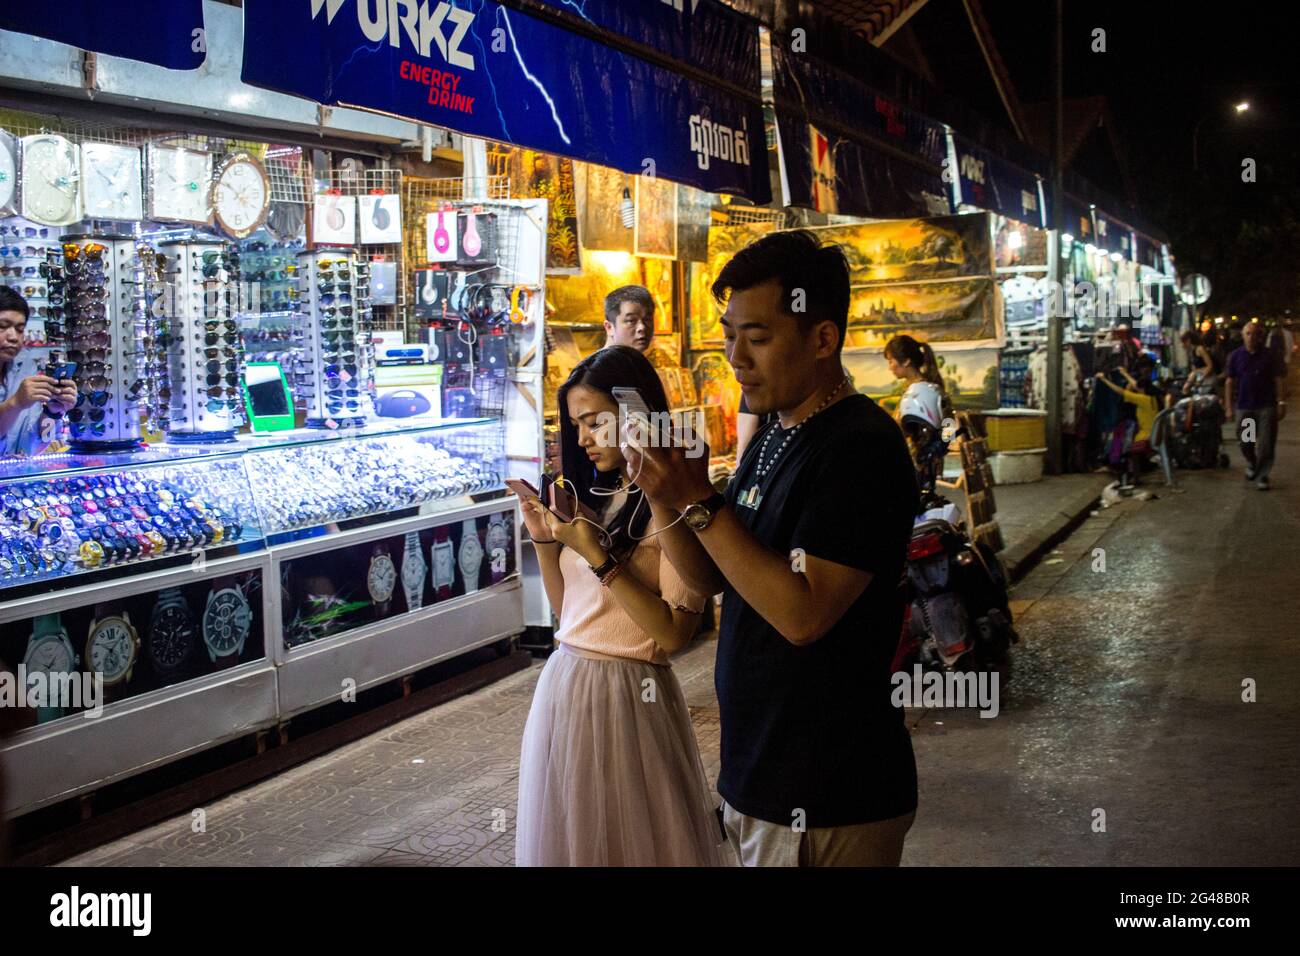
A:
[112,648]
[443,558]
[498,546]
[173,638]
[381,579]
[470,557]
[700,514]
[227,618]
[413,568]
[49,651]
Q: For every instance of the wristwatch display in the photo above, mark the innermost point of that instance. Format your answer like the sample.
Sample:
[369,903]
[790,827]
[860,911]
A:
[49,652]
[112,648]
[173,636]
[470,557]
[700,514]
[227,619]
[442,557]
[498,546]
[413,568]
[381,579]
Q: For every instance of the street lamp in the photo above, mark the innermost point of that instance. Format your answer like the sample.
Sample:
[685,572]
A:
[1196,133]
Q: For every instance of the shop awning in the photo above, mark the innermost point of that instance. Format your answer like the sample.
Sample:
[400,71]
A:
[1113,235]
[988,181]
[539,81]
[165,34]
[847,148]
[1076,218]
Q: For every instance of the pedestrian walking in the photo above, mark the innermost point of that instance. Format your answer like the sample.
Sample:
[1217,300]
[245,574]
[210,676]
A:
[808,546]
[1256,397]
[610,772]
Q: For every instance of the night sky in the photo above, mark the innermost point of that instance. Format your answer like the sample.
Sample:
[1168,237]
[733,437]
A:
[1167,65]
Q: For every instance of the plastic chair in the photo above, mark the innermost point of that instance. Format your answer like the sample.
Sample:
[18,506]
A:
[1160,432]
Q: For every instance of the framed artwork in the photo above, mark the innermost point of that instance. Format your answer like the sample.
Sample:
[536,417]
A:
[941,313]
[658,278]
[656,218]
[915,250]
[537,175]
[602,221]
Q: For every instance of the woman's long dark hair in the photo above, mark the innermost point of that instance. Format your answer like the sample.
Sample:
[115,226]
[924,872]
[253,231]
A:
[904,348]
[617,366]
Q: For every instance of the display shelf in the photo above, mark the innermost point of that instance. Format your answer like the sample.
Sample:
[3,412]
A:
[63,515]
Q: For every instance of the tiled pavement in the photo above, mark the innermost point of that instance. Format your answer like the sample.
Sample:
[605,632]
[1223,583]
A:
[437,789]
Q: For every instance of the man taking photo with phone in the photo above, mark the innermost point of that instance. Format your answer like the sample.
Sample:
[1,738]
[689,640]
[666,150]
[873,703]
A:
[808,547]
[29,405]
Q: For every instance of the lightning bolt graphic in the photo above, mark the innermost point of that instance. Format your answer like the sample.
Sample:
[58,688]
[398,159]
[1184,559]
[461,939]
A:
[559,125]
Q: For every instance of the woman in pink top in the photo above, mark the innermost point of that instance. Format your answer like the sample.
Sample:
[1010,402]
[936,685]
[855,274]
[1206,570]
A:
[610,774]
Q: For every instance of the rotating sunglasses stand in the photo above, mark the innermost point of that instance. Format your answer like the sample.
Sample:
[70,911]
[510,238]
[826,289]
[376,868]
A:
[334,379]
[101,326]
[203,349]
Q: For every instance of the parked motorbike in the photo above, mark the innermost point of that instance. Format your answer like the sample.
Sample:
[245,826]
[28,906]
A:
[1196,436]
[959,616]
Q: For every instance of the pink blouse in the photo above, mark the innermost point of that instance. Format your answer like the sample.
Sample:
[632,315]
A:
[593,620]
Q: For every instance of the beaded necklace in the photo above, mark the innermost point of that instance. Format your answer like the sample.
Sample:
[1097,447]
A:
[754,496]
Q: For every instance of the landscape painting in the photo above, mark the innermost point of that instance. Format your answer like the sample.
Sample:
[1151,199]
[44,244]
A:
[914,250]
[938,312]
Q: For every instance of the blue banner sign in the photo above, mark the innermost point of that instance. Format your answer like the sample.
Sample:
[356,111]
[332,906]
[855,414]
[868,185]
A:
[478,68]
[990,182]
[706,34]
[166,34]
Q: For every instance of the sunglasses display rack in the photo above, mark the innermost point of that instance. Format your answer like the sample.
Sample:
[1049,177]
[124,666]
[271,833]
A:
[203,342]
[25,249]
[100,279]
[334,378]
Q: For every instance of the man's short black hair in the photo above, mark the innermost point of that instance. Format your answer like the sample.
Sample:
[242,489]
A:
[628,293]
[811,274]
[11,301]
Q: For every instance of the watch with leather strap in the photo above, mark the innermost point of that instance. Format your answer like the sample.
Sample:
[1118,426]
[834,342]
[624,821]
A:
[700,514]
[112,648]
[173,637]
[442,558]
[49,651]
[227,619]
[381,579]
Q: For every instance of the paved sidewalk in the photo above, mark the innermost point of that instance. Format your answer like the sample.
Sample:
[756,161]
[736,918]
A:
[439,789]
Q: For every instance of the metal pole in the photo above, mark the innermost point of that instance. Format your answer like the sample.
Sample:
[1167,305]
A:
[1055,274]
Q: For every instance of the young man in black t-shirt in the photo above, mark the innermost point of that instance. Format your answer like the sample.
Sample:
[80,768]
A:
[808,546]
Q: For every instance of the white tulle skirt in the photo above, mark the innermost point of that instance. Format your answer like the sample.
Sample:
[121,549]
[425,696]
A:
[609,777]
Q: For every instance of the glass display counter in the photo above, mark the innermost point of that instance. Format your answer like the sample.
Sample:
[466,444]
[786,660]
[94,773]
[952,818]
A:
[67,515]
[213,590]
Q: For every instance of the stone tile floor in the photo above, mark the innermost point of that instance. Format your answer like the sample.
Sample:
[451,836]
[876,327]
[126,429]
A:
[437,789]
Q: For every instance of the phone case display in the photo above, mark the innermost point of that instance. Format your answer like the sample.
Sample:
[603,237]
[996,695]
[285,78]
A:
[105,285]
[335,375]
[203,345]
[53,527]
[312,484]
[136,644]
[336,591]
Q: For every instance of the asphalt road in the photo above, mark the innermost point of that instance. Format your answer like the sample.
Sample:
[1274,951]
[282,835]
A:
[1127,692]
